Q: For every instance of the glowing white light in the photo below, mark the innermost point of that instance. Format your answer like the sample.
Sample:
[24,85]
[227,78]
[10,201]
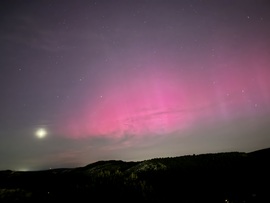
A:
[41,133]
[23,169]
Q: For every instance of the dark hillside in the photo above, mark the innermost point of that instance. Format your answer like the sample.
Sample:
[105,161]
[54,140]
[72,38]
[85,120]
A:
[221,177]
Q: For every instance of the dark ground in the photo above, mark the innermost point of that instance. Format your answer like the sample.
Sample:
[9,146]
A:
[222,177]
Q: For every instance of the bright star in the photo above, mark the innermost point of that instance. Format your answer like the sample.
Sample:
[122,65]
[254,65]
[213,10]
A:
[41,133]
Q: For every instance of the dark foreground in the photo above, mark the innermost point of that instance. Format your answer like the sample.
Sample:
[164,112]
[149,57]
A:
[222,177]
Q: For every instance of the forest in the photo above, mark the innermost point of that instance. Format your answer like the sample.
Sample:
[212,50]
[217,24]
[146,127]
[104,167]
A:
[218,177]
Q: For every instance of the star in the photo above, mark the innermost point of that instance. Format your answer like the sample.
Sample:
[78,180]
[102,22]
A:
[41,133]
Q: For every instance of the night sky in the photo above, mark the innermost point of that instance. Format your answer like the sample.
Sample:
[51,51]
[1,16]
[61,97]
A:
[83,81]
